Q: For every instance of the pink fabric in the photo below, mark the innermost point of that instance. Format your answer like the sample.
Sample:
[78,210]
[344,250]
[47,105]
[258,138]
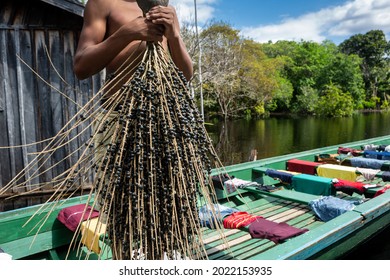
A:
[72,216]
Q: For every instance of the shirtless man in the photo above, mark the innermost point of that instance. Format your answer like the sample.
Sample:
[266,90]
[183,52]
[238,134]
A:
[113,30]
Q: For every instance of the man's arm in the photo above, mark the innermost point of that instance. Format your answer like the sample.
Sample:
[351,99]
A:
[94,52]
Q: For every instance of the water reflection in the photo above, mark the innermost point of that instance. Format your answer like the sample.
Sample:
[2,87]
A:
[234,140]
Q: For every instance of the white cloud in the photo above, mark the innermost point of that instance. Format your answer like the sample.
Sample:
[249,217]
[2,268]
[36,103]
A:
[336,22]
[186,10]
[357,16]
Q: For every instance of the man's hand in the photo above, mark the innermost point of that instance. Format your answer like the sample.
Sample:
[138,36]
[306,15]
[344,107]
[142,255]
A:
[144,30]
[167,17]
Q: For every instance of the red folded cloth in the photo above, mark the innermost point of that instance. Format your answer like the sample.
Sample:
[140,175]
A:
[302,166]
[382,191]
[238,220]
[354,152]
[72,216]
[349,187]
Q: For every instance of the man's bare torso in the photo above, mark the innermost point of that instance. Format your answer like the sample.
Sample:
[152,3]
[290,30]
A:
[115,32]
[121,12]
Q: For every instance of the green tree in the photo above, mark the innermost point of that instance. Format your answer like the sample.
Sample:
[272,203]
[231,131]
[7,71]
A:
[261,79]
[333,102]
[344,70]
[374,49]
[311,67]
[306,102]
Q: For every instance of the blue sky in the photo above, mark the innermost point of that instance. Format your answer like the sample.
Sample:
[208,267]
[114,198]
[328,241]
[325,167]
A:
[312,20]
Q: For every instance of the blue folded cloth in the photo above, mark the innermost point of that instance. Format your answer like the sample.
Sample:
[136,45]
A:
[386,176]
[377,155]
[330,207]
[211,215]
[366,162]
[282,176]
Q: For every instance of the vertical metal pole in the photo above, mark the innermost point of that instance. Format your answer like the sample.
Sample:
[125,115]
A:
[199,61]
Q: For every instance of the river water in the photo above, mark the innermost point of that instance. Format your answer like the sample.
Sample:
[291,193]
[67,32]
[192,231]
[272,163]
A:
[275,136]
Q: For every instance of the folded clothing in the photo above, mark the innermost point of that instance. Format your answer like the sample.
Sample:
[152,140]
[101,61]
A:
[268,188]
[302,166]
[91,231]
[379,148]
[328,158]
[233,184]
[72,216]
[382,191]
[330,207]
[348,187]
[238,220]
[377,155]
[211,215]
[367,162]
[282,176]
[312,184]
[276,232]
[354,152]
[368,173]
[219,180]
[386,176]
[337,171]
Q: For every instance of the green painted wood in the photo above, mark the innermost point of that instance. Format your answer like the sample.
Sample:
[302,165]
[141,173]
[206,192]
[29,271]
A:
[350,243]
[288,195]
[13,223]
[374,207]
[28,211]
[53,254]
[42,242]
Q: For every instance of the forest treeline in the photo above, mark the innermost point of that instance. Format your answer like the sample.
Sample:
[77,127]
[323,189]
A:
[243,78]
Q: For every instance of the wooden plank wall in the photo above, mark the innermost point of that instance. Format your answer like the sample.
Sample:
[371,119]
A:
[37,37]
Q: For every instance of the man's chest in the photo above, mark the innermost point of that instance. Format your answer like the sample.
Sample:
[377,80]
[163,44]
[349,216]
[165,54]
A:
[121,14]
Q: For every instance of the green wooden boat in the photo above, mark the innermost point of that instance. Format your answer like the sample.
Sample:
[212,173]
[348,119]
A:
[287,203]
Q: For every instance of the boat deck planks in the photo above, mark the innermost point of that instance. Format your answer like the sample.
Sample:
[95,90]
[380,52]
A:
[241,244]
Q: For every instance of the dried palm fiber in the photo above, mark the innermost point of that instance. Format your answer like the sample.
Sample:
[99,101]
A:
[152,158]
[157,164]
